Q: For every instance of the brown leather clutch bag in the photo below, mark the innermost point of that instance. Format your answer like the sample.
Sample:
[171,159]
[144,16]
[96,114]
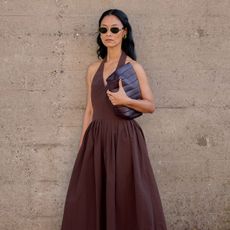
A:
[131,86]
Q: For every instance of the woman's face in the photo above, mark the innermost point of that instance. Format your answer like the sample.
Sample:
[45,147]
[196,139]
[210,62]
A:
[110,39]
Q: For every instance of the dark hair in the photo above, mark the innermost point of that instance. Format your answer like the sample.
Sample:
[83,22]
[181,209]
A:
[128,45]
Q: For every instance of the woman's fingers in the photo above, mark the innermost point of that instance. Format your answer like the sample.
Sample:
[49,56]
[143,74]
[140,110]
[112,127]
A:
[117,98]
[109,93]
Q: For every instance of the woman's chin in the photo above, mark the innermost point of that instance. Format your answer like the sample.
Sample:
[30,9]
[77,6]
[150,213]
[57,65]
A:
[110,44]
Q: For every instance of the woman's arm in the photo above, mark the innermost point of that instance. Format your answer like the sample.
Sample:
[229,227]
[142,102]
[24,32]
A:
[89,109]
[146,104]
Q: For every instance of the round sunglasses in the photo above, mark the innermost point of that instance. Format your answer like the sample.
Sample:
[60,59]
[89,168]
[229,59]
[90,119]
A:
[114,30]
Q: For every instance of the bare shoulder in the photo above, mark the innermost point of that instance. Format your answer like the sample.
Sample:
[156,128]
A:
[137,67]
[92,68]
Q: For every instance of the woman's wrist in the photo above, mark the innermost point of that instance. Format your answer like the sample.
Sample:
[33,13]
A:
[140,105]
[129,102]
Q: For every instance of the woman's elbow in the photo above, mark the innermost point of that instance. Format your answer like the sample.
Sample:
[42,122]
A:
[151,107]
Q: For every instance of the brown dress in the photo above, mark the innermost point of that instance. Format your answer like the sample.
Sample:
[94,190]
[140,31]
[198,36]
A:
[112,186]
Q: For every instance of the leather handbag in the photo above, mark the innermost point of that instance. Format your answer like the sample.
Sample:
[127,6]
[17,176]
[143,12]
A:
[131,87]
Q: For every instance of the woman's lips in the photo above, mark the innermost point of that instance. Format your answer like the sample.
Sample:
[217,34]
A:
[108,40]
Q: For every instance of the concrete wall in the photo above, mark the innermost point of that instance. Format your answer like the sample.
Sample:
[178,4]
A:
[184,47]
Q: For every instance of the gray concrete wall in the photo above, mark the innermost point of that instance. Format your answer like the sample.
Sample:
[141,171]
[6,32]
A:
[184,47]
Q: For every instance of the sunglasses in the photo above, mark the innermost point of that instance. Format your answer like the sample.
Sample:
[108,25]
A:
[114,30]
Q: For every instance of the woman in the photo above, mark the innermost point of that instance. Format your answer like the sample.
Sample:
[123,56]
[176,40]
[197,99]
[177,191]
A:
[112,186]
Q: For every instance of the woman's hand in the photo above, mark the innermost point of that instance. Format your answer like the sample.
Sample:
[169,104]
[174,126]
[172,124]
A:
[119,97]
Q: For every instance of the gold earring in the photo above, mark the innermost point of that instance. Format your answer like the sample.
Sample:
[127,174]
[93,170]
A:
[125,36]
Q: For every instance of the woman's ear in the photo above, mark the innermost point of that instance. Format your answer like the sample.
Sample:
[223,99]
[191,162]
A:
[125,33]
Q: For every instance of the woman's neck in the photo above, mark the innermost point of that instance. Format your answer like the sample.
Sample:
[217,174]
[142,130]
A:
[113,55]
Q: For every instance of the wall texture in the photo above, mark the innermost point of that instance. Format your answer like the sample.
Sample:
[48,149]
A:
[45,47]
